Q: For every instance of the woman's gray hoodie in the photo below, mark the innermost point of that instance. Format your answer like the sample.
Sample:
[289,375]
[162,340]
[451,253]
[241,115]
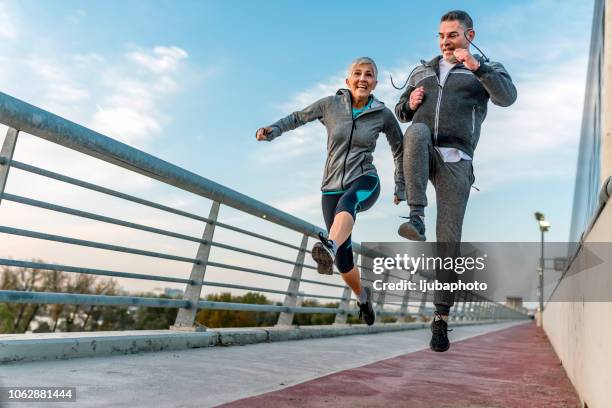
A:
[350,142]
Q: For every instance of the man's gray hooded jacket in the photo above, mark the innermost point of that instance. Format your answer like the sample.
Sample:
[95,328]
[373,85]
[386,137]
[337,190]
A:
[350,142]
[455,111]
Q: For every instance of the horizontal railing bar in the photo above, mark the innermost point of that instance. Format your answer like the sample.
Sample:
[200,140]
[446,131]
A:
[92,244]
[248,252]
[393,294]
[249,307]
[11,296]
[243,269]
[53,298]
[66,179]
[259,272]
[254,234]
[89,271]
[306,295]
[96,217]
[250,288]
[70,180]
[333,285]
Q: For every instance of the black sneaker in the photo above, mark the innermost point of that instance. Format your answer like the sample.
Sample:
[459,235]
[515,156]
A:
[323,255]
[413,229]
[439,337]
[366,311]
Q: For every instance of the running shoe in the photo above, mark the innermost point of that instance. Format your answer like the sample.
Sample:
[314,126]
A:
[413,229]
[439,337]
[323,255]
[366,311]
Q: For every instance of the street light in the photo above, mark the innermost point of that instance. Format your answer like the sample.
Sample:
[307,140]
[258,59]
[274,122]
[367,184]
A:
[544,227]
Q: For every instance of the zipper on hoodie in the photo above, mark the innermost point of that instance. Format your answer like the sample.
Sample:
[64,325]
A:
[353,127]
[439,102]
[348,149]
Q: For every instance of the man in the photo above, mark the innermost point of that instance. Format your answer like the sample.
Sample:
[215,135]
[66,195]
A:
[446,100]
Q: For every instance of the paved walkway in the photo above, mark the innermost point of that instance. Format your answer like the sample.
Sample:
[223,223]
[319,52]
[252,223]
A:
[376,369]
[513,368]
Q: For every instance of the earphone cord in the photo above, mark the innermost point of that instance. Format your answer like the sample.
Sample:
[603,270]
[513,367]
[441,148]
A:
[486,59]
[405,83]
[475,46]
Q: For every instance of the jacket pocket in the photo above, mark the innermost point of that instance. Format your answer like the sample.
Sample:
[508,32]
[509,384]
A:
[474,119]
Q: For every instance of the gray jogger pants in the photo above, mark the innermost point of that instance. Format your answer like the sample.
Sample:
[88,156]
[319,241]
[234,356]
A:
[452,182]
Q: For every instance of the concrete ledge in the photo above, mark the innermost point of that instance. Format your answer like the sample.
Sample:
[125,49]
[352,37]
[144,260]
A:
[16,348]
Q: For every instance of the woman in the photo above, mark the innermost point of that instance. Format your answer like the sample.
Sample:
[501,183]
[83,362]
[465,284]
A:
[353,118]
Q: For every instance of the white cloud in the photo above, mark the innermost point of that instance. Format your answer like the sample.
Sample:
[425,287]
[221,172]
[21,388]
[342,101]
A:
[89,58]
[8,30]
[129,112]
[160,60]
[57,82]
[125,124]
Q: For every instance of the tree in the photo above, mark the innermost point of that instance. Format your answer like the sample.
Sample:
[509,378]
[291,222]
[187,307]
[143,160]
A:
[232,318]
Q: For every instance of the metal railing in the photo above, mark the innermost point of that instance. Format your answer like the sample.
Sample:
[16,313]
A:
[23,117]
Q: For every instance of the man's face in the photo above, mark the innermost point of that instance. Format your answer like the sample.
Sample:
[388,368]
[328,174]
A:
[451,36]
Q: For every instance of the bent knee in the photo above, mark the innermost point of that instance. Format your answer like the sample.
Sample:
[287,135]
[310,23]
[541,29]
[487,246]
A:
[417,132]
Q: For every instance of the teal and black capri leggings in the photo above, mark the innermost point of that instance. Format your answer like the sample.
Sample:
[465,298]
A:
[360,196]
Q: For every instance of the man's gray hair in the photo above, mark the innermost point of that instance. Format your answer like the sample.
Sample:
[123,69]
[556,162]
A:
[363,61]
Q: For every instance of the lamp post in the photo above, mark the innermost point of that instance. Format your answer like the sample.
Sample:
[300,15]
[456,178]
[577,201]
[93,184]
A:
[544,227]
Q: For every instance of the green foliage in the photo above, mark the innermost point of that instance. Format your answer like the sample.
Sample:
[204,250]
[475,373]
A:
[21,317]
[308,319]
[235,318]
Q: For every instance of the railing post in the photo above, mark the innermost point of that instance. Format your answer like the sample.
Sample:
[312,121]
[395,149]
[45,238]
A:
[186,316]
[6,155]
[463,305]
[405,301]
[454,314]
[479,309]
[382,295]
[423,301]
[486,310]
[469,304]
[286,318]
[345,303]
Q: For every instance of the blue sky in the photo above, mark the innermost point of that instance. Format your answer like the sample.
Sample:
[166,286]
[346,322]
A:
[190,82]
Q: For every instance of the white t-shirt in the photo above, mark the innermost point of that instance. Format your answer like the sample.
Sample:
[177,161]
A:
[449,154]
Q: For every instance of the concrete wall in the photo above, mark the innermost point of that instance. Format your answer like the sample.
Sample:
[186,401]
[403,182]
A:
[606,111]
[581,332]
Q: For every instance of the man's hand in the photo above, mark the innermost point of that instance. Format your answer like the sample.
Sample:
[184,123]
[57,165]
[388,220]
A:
[396,199]
[467,59]
[262,132]
[416,97]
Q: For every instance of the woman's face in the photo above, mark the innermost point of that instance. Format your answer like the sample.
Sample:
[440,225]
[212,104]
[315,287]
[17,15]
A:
[361,81]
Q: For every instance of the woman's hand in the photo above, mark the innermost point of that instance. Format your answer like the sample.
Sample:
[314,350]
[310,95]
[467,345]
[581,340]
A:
[396,199]
[261,133]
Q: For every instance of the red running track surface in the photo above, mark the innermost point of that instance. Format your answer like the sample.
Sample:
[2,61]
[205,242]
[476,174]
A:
[511,368]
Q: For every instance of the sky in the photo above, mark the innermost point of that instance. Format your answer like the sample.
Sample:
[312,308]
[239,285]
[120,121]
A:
[191,81]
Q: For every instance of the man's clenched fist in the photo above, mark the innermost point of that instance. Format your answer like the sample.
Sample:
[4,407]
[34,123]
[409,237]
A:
[467,59]
[416,97]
